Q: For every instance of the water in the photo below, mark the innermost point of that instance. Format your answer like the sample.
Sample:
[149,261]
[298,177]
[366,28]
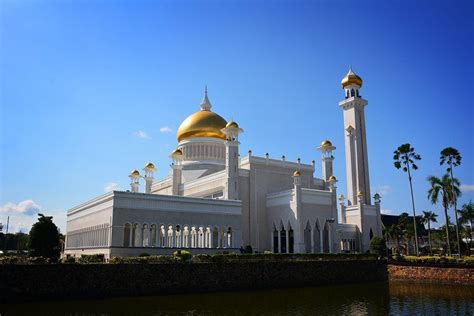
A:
[358,299]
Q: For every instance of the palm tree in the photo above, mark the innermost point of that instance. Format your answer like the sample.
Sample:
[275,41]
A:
[426,219]
[404,157]
[442,188]
[452,158]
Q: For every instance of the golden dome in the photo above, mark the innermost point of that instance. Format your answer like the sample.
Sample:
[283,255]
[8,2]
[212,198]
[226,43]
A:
[232,124]
[332,178]
[360,194]
[351,78]
[177,152]
[297,173]
[135,173]
[150,166]
[326,143]
[202,124]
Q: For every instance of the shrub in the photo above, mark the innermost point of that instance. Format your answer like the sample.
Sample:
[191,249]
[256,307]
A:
[68,260]
[248,249]
[98,258]
[144,254]
[378,246]
[182,255]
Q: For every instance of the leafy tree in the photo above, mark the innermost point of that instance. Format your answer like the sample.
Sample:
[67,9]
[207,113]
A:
[426,219]
[452,158]
[404,157]
[378,246]
[441,188]
[467,213]
[44,238]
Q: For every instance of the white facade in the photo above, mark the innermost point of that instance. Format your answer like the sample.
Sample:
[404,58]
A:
[214,200]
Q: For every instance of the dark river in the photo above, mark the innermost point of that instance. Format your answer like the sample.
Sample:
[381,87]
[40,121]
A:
[359,299]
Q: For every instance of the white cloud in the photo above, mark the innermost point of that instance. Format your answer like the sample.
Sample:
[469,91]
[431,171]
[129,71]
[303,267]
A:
[388,212]
[27,207]
[142,134]
[165,129]
[382,189]
[467,187]
[111,186]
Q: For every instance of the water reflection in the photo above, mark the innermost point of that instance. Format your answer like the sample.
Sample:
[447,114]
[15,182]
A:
[359,299]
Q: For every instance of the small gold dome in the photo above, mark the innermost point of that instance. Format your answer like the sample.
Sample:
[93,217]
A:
[232,124]
[297,173]
[177,152]
[332,178]
[135,173]
[360,194]
[150,166]
[202,124]
[351,78]
[326,143]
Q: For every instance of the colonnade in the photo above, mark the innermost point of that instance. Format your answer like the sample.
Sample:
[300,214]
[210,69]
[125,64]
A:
[315,239]
[89,237]
[176,236]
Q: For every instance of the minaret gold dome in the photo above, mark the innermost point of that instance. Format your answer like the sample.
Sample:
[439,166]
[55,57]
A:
[297,173]
[150,166]
[204,123]
[135,173]
[326,143]
[351,78]
[232,124]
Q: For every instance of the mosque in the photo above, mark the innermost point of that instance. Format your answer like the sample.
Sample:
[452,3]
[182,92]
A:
[213,199]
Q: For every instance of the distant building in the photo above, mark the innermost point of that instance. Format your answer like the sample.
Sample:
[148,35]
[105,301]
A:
[213,199]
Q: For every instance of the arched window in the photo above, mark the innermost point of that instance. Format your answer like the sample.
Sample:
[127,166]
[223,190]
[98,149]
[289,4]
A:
[291,240]
[283,239]
[170,243]
[193,237]
[229,237]
[146,235]
[352,92]
[153,235]
[371,234]
[136,239]
[126,235]
[317,237]
[275,240]
[326,238]
[186,237]
[200,237]
[178,237]
[215,237]
[307,238]
[162,236]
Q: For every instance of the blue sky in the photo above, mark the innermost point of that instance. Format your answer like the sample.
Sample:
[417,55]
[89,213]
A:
[92,89]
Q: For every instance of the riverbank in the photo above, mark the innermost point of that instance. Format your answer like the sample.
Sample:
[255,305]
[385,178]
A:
[21,283]
[431,274]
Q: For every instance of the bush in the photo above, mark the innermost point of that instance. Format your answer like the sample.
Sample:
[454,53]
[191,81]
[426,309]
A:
[144,260]
[98,258]
[144,254]
[182,255]
[248,249]
[68,260]
[378,246]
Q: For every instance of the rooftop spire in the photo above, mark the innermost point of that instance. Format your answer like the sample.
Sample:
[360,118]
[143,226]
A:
[205,104]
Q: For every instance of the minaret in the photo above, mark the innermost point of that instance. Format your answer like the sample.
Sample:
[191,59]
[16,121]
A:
[149,171]
[357,167]
[205,104]
[232,131]
[177,170]
[327,158]
[134,180]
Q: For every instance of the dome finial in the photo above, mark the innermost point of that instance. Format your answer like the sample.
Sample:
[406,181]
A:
[205,104]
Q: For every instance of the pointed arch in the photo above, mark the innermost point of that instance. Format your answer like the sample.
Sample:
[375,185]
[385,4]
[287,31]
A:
[307,238]
[317,237]
[326,238]
[275,239]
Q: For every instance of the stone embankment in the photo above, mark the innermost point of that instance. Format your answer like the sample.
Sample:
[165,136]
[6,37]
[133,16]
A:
[431,274]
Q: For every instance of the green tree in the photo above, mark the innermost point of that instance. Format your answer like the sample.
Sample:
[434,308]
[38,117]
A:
[426,219]
[404,158]
[467,213]
[44,238]
[452,158]
[441,188]
[378,246]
